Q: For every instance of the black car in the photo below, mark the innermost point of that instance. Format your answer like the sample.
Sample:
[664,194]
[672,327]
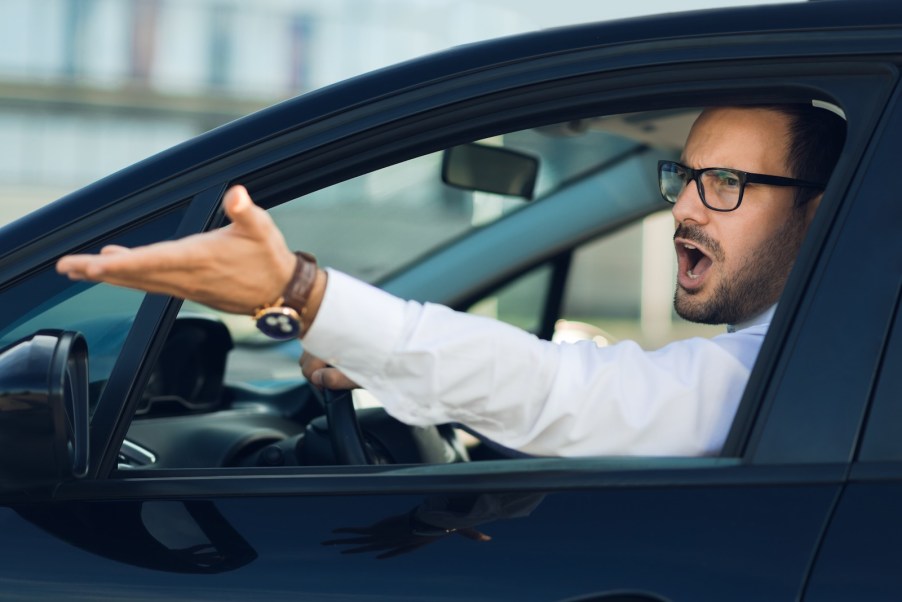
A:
[151,449]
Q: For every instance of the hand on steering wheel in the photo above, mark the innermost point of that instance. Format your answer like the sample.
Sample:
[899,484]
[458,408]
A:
[324,376]
[333,389]
[349,445]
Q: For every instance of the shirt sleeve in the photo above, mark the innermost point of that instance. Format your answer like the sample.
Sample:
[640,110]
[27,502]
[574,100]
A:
[430,365]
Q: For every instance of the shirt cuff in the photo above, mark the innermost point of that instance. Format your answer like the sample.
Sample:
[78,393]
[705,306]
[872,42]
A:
[357,325]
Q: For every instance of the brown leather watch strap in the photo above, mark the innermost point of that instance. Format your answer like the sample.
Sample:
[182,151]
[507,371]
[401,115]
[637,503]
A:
[286,318]
[298,289]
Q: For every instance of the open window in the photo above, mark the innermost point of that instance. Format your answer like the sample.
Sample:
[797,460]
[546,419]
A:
[582,251]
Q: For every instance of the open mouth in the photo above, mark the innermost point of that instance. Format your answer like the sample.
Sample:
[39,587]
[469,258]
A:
[694,262]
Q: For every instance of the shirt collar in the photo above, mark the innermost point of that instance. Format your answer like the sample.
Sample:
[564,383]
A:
[762,318]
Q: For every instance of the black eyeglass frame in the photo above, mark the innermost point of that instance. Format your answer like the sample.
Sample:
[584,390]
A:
[744,178]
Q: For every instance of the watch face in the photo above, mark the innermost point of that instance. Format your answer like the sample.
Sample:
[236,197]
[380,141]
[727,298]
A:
[281,323]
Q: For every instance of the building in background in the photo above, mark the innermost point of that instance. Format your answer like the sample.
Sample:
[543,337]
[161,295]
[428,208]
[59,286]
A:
[90,86]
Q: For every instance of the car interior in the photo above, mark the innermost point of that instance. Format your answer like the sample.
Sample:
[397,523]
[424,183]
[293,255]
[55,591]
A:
[222,395]
[558,229]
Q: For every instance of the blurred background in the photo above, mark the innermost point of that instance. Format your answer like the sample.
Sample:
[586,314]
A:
[90,86]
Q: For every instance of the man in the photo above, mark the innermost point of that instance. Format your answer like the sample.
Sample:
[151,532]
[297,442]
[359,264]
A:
[737,235]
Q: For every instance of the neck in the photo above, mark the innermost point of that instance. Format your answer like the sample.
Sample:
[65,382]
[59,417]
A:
[762,318]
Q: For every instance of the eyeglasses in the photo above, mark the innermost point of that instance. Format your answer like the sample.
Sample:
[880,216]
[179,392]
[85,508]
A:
[720,188]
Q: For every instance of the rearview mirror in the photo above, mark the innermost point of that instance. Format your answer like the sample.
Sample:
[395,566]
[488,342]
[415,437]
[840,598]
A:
[43,411]
[490,169]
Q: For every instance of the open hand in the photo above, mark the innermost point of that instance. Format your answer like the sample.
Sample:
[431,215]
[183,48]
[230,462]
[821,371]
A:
[234,269]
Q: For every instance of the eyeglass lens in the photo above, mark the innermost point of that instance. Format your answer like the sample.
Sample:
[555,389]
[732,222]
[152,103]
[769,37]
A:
[721,188]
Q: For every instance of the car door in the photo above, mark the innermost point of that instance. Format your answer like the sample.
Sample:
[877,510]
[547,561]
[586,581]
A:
[860,552]
[742,526]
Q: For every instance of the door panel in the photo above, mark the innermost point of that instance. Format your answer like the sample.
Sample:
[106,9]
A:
[679,543]
[862,553]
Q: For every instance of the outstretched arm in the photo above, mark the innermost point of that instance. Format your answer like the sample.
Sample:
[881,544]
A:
[235,269]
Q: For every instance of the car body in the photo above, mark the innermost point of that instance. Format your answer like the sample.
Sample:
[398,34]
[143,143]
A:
[133,435]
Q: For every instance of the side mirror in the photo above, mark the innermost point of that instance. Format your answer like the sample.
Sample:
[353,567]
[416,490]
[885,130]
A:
[43,411]
[490,169]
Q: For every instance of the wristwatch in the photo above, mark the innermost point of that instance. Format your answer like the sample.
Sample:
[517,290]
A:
[284,319]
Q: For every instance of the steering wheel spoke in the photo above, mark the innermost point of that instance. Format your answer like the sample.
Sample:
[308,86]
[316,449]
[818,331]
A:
[348,442]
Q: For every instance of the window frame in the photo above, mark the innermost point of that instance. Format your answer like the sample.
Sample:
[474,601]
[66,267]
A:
[431,128]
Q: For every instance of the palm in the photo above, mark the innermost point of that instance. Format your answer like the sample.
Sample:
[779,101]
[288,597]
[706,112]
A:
[233,269]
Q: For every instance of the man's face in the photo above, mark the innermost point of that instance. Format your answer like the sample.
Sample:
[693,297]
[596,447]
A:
[733,265]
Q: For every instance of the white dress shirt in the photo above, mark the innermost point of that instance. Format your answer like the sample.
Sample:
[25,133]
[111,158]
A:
[430,365]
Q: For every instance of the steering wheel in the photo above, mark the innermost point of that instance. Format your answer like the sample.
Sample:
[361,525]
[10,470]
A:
[383,439]
[344,430]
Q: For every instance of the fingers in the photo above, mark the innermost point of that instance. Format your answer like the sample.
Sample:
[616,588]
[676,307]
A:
[119,265]
[323,375]
[234,269]
[333,378]
[310,364]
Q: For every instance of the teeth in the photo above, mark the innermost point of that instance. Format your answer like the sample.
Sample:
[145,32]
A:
[690,247]
[691,275]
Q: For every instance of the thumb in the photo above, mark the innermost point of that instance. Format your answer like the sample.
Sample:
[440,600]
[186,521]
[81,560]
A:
[244,214]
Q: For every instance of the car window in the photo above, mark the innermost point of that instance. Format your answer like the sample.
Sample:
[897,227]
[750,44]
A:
[373,226]
[102,313]
[521,302]
[248,404]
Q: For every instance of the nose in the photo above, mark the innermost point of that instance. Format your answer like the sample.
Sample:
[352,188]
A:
[689,206]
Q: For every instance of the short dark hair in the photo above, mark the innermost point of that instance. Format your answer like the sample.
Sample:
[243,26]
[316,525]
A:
[816,138]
